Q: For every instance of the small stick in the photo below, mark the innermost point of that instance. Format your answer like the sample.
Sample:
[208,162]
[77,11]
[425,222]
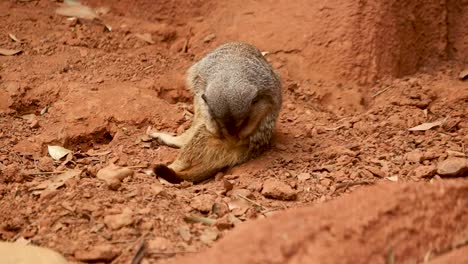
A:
[149,67]
[45,172]
[381,92]
[170,254]
[140,251]
[200,219]
[252,202]
[137,167]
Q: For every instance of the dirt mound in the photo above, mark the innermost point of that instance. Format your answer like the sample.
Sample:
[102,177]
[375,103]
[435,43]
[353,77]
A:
[404,223]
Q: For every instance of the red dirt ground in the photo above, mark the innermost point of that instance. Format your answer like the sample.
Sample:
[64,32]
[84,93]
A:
[356,75]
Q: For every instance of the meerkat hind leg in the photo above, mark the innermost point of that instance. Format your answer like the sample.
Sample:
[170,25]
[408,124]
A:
[201,158]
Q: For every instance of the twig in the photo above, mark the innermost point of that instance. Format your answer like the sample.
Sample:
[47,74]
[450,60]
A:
[334,128]
[140,251]
[252,202]
[169,254]
[137,167]
[138,242]
[348,184]
[149,67]
[381,92]
[45,172]
[199,219]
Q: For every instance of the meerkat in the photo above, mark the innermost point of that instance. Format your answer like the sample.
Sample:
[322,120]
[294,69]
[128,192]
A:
[237,99]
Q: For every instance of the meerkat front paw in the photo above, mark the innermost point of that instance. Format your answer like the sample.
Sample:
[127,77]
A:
[165,138]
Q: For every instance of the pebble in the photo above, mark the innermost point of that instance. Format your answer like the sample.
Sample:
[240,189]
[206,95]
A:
[304,176]
[425,171]
[113,175]
[220,208]
[105,253]
[209,236]
[453,167]
[158,244]
[184,232]
[119,220]
[376,171]
[275,189]
[415,156]
[242,192]
[203,203]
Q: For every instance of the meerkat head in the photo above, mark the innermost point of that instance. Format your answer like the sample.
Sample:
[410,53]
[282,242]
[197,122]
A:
[229,107]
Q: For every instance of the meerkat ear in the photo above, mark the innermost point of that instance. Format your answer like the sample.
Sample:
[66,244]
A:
[258,112]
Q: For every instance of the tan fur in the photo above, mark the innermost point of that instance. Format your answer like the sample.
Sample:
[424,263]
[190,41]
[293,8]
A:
[237,99]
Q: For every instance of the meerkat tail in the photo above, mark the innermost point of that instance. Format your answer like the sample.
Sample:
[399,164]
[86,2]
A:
[167,174]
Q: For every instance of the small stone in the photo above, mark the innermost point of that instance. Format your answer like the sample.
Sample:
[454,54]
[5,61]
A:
[255,186]
[281,146]
[203,203]
[158,244]
[184,232]
[157,189]
[275,189]
[453,167]
[34,124]
[113,175]
[220,208]
[425,171]
[223,224]
[304,176]
[105,253]
[45,164]
[415,156]
[209,38]
[326,182]
[376,171]
[209,236]
[119,220]
[463,75]
[242,192]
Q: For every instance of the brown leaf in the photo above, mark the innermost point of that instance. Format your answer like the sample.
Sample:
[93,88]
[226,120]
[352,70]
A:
[13,37]
[9,52]
[145,37]
[427,126]
[463,75]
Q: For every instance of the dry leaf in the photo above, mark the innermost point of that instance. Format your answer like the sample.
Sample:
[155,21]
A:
[58,152]
[145,37]
[59,180]
[392,178]
[463,75]
[9,52]
[55,182]
[13,37]
[76,10]
[264,53]
[44,110]
[427,126]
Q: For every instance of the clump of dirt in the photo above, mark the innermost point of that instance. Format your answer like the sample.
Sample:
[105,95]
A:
[356,77]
